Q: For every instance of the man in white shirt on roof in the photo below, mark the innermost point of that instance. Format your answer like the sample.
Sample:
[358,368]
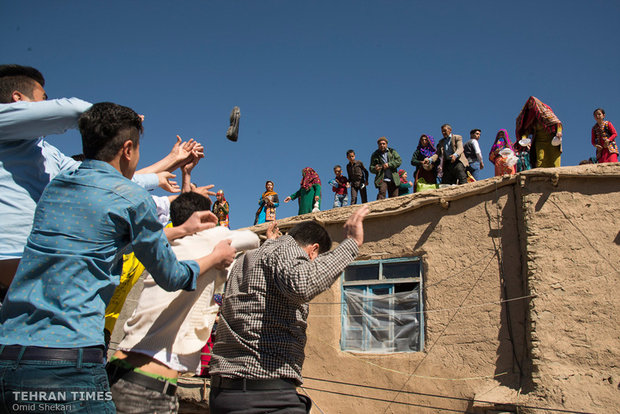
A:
[473,153]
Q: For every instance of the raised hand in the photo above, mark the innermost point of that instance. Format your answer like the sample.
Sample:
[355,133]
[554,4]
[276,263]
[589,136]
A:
[166,183]
[354,226]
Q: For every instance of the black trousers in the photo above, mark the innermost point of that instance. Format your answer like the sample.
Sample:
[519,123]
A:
[453,172]
[362,192]
[224,401]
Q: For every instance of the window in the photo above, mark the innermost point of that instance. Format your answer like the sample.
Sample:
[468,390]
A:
[382,306]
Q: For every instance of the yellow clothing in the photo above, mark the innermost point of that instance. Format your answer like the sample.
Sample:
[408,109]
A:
[132,270]
[547,155]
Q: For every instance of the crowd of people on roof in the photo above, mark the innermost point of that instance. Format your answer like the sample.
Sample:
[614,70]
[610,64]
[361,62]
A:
[538,144]
[78,233]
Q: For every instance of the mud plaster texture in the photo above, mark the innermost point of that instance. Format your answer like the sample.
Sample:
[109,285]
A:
[520,310]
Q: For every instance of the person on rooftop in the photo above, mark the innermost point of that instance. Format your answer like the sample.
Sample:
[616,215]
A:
[267,204]
[537,120]
[604,138]
[309,193]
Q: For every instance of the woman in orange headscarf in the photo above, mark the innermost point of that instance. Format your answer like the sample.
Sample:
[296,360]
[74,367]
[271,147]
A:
[267,205]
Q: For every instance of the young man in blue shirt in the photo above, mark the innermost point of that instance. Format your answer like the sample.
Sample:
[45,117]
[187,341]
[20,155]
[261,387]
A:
[51,333]
[28,162]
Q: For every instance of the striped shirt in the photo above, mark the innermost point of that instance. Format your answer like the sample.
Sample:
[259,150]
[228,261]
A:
[262,329]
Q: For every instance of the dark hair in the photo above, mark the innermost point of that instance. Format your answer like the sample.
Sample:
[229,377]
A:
[598,109]
[18,78]
[473,131]
[337,166]
[187,204]
[105,127]
[269,181]
[310,232]
[78,157]
[446,125]
[350,152]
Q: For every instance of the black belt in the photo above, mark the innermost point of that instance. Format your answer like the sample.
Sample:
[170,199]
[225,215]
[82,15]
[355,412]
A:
[115,372]
[252,385]
[36,353]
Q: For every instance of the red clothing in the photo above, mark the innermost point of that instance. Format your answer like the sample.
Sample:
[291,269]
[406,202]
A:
[605,137]
[342,185]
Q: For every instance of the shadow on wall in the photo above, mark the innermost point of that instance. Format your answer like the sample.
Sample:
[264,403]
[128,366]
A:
[511,351]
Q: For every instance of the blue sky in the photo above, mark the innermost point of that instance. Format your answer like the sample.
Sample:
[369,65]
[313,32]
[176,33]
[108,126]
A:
[315,78]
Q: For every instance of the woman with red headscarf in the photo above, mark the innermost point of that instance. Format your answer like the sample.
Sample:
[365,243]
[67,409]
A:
[309,193]
[221,209]
[538,120]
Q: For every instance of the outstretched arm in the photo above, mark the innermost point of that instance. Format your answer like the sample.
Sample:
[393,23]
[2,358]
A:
[180,154]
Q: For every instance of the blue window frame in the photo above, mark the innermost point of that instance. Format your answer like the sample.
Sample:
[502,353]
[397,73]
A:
[382,307]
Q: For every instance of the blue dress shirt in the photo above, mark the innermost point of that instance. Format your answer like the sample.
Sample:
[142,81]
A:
[28,163]
[85,220]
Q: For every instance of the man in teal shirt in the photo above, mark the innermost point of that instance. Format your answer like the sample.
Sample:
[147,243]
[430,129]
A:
[52,319]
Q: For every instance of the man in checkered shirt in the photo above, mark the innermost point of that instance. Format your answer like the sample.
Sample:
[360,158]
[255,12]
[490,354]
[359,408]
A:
[259,351]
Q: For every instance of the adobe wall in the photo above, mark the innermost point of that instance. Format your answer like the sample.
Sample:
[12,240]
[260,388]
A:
[550,237]
[468,349]
[573,251]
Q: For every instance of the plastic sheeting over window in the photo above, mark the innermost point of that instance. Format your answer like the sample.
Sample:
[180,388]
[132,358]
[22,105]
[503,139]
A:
[380,320]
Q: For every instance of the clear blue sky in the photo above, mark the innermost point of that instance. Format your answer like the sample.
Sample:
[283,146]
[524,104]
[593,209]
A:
[315,78]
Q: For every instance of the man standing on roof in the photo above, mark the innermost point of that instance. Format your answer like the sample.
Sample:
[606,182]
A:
[472,152]
[450,149]
[384,162]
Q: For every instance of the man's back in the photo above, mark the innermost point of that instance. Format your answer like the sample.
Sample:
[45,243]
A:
[262,329]
[172,327]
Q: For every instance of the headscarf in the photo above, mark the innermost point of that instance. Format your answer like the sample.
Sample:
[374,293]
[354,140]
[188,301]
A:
[401,173]
[430,149]
[500,143]
[535,111]
[221,192]
[269,193]
[309,177]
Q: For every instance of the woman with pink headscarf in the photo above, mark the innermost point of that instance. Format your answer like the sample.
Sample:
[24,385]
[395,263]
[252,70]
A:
[309,192]
[502,142]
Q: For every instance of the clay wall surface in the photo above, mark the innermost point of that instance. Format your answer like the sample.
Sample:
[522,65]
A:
[468,348]
[573,253]
[530,260]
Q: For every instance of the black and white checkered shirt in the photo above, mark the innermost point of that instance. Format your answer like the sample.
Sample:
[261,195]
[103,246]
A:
[262,329]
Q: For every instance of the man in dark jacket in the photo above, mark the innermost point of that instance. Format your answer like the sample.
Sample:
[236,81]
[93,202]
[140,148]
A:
[384,162]
[358,177]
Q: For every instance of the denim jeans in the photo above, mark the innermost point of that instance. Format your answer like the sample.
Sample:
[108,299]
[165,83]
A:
[474,168]
[54,386]
[340,200]
[133,398]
